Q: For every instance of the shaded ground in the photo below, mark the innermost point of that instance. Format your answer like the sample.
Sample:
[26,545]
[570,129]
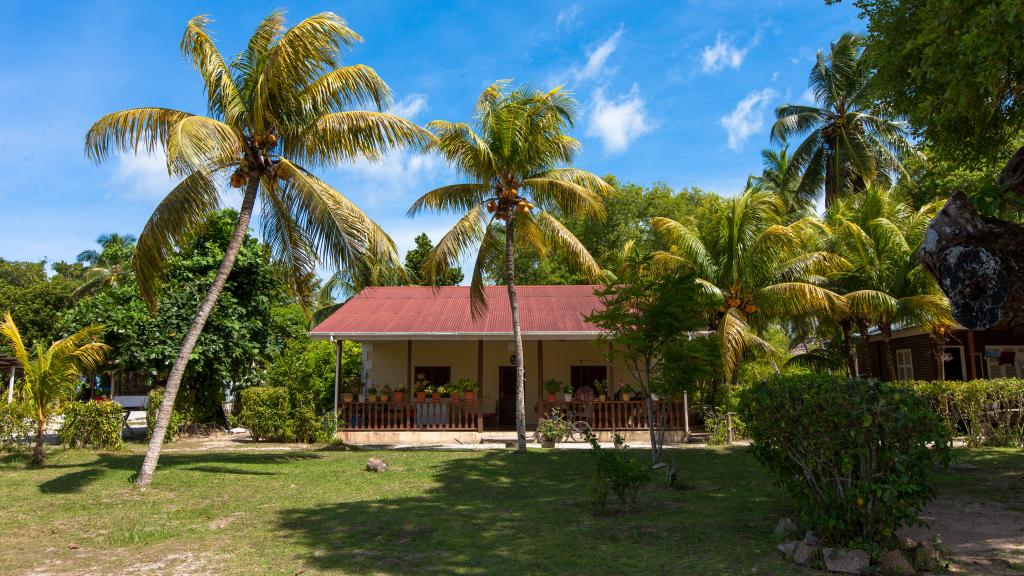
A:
[318,512]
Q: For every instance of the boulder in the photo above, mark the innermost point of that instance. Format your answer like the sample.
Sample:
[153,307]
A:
[785,528]
[787,548]
[894,563]
[376,465]
[908,544]
[805,554]
[811,538]
[846,560]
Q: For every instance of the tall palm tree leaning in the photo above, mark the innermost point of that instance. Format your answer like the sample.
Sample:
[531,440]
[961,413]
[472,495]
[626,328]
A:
[280,107]
[516,159]
[848,141]
[52,375]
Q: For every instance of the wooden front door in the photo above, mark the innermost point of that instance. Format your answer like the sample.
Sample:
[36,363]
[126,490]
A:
[506,395]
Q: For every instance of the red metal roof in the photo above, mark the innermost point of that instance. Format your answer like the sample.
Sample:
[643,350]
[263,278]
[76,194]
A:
[404,312]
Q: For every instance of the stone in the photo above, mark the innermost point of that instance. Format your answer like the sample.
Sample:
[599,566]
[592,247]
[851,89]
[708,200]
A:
[927,558]
[811,538]
[908,544]
[787,548]
[786,527]
[846,560]
[376,465]
[894,563]
[805,554]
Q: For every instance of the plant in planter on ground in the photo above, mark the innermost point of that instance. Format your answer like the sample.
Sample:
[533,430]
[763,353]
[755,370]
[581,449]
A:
[553,428]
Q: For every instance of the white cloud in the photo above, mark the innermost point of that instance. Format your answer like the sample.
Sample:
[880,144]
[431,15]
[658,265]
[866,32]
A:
[567,17]
[597,58]
[410,106]
[724,54]
[396,179]
[141,176]
[808,96]
[747,118]
[619,121]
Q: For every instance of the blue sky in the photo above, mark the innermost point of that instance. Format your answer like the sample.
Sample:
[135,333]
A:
[680,92]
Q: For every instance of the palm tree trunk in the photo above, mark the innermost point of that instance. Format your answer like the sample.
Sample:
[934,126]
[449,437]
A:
[831,185]
[848,350]
[163,417]
[510,283]
[890,365]
[38,452]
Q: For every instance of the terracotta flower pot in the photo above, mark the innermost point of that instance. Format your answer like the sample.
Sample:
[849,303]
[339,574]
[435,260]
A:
[435,396]
[551,397]
[398,396]
[346,397]
[456,396]
[470,396]
[421,396]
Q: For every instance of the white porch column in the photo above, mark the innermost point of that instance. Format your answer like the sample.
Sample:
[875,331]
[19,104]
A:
[337,378]
[10,385]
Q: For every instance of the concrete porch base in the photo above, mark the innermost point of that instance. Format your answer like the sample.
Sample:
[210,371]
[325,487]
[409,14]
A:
[414,438]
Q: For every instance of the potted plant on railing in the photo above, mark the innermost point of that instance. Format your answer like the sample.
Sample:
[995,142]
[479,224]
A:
[601,389]
[626,393]
[385,393]
[371,394]
[435,393]
[397,395]
[455,390]
[349,394]
[469,389]
[552,429]
[361,393]
[567,393]
[552,387]
[422,385]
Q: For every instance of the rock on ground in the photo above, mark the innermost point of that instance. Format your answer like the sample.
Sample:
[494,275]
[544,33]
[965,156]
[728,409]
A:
[846,560]
[894,563]
[376,465]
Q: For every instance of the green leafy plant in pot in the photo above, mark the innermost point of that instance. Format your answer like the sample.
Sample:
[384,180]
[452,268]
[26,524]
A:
[552,387]
[552,429]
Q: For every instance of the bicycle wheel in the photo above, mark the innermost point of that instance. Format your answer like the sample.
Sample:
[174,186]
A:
[580,431]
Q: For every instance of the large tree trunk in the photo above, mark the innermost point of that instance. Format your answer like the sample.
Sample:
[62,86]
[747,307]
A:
[39,451]
[510,282]
[890,365]
[163,417]
[848,348]
[979,262]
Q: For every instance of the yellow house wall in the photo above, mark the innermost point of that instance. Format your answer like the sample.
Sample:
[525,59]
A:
[385,363]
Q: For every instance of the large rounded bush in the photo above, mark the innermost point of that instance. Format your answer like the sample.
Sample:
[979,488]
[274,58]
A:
[855,455]
[92,424]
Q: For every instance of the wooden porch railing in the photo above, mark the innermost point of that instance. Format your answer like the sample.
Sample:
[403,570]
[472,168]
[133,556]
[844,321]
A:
[619,415]
[443,414]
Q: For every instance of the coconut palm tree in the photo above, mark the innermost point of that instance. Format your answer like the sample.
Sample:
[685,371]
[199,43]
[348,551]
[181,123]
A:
[106,266]
[516,160]
[884,286]
[52,375]
[282,106]
[782,177]
[753,270]
[848,141]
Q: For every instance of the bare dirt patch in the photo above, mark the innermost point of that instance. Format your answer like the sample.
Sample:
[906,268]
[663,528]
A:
[978,537]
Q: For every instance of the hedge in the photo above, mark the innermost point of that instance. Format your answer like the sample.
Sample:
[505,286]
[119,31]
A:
[985,412]
[271,414]
[95,424]
[16,425]
[855,455]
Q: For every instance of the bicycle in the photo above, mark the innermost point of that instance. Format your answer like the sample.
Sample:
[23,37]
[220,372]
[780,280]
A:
[575,426]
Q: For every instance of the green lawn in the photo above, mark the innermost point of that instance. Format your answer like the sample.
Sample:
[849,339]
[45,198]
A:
[313,512]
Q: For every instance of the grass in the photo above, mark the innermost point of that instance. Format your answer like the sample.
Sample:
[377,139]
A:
[319,512]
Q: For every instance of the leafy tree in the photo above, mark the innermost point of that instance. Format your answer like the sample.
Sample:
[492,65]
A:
[647,320]
[954,69]
[35,300]
[106,266]
[281,105]
[415,258]
[884,284]
[52,374]
[849,141]
[752,270]
[516,161]
[244,330]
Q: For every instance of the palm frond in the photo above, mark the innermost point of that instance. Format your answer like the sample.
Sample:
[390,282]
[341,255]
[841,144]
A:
[131,130]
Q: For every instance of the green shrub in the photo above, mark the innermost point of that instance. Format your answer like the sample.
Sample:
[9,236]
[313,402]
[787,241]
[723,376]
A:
[855,455]
[266,413]
[616,471]
[92,424]
[553,428]
[306,426]
[985,412]
[716,425]
[156,396]
[16,424]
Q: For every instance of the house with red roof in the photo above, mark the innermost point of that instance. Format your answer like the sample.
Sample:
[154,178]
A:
[432,371]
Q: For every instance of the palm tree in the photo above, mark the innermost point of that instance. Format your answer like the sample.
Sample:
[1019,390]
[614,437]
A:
[52,375]
[280,107]
[849,141]
[753,269]
[885,286]
[782,177]
[106,266]
[516,161]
